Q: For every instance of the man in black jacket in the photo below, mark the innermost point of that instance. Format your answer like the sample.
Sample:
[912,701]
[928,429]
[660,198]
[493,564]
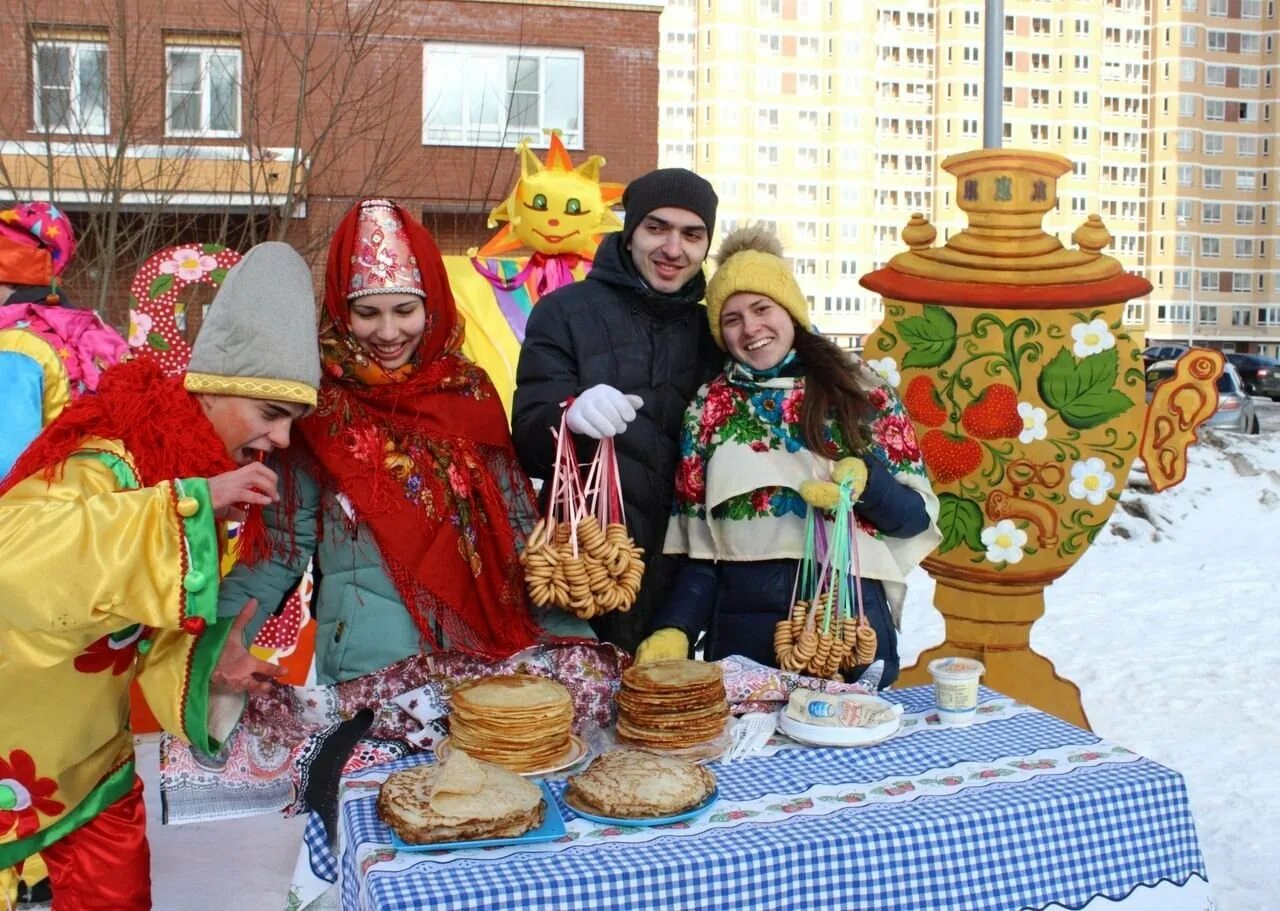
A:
[630,343]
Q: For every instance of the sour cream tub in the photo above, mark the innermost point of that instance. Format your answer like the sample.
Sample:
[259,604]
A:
[955,688]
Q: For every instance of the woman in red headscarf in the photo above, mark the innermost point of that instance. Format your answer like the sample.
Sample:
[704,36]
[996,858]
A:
[406,489]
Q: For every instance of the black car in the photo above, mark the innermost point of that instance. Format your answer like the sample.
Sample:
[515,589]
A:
[1155,353]
[1261,375]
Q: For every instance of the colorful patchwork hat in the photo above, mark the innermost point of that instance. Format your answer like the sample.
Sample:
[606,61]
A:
[382,262]
[36,243]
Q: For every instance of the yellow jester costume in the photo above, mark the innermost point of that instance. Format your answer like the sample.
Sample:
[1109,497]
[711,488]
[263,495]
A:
[111,569]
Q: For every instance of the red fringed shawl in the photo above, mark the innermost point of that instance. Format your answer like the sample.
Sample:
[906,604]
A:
[419,454]
[162,426]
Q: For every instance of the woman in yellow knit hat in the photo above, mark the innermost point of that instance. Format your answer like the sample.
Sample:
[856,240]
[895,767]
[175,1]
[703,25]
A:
[787,407]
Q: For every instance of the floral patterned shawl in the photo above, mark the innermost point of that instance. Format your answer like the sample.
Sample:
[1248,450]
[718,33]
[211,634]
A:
[743,459]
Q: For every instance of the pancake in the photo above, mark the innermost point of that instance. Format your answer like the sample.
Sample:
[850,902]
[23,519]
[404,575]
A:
[632,784]
[518,721]
[672,705]
[460,799]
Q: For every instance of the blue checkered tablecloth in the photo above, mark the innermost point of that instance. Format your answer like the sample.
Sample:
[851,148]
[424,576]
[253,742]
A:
[1019,810]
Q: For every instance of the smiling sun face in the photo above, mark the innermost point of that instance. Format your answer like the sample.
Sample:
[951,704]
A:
[555,208]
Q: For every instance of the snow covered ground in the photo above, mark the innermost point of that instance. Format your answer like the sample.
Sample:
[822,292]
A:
[1170,624]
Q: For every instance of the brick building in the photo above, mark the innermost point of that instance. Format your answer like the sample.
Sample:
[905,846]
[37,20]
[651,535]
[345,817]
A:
[153,123]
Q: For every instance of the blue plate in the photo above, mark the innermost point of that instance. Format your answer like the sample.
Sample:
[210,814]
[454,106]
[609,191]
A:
[552,828]
[647,821]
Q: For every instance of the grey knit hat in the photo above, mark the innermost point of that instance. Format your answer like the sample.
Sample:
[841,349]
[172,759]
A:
[676,187]
[259,339]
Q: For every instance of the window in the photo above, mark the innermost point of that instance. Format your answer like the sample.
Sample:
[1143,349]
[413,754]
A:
[1212,178]
[1248,77]
[1186,210]
[1211,213]
[1246,180]
[1215,40]
[202,96]
[1247,146]
[1188,36]
[1214,143]
[1244,214]
[1183,245]
[1211,246]
[1240,282]
[1186,105]
[1187,71]
[1215,74]
[1217,7]
[1209,281]
[1215,109]
[1244,248]
[1181,279]
[1186,140]
[1186,175]
[1250,44]
[491,95]
[70,82]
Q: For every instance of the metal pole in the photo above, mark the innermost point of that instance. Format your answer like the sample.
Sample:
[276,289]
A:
[1184,223]
[993,77]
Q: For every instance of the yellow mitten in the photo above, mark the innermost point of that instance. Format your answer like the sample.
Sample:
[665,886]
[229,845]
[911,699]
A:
[826,494]
[663,644]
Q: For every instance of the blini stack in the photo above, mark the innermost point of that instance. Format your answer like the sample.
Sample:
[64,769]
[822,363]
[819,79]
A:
[671,705]
[519,721]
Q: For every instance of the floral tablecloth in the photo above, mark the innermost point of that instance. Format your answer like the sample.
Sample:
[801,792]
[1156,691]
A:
[1018,810]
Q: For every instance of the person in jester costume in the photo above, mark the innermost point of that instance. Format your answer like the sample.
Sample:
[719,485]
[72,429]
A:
[110,527]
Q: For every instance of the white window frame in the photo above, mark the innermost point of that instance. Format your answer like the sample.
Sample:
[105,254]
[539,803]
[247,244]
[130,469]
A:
[457,66]
[75,117]
[206,52]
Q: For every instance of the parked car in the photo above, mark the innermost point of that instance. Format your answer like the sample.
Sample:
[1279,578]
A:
[1235,406]
[1155,353]
[1261,375]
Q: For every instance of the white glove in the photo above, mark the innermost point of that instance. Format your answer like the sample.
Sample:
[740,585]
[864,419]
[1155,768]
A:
[602,411]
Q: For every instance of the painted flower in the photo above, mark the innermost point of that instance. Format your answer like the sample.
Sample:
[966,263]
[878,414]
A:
[1033,423]
[1091,481]
[759,446]
[792,406]
[717,410]
[878,398]
[189,264]
[887,367]
[139,326]
[895,433]
[1004,542]
[114,652]
[458,481]
[24,795]
[689,481]
[768,406]
[760,499]
[1091,337]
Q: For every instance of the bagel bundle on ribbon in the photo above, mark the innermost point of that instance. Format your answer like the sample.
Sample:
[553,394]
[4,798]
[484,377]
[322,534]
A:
[827,631]
[580,557]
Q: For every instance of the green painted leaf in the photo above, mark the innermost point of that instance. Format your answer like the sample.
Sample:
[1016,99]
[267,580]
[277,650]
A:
[218,275]
[156,341]
[1082,391]
[931,337]
[960,521]
[160,285]
[212,249]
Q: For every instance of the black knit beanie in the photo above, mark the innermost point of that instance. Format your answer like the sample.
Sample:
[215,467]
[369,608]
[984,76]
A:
[675,187]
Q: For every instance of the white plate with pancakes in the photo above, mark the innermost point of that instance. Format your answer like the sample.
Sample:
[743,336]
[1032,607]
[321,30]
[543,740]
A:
[577,752]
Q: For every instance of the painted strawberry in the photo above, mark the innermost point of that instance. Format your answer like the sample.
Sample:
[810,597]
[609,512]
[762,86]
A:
[994,414]
[950,457]
[923,402]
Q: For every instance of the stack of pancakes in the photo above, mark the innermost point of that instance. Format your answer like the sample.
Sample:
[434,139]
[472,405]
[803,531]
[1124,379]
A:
[633,784]
[459,799]
[521,722]
[672,704]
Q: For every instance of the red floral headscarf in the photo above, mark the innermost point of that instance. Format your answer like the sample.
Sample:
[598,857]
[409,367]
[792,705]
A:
[424,455]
